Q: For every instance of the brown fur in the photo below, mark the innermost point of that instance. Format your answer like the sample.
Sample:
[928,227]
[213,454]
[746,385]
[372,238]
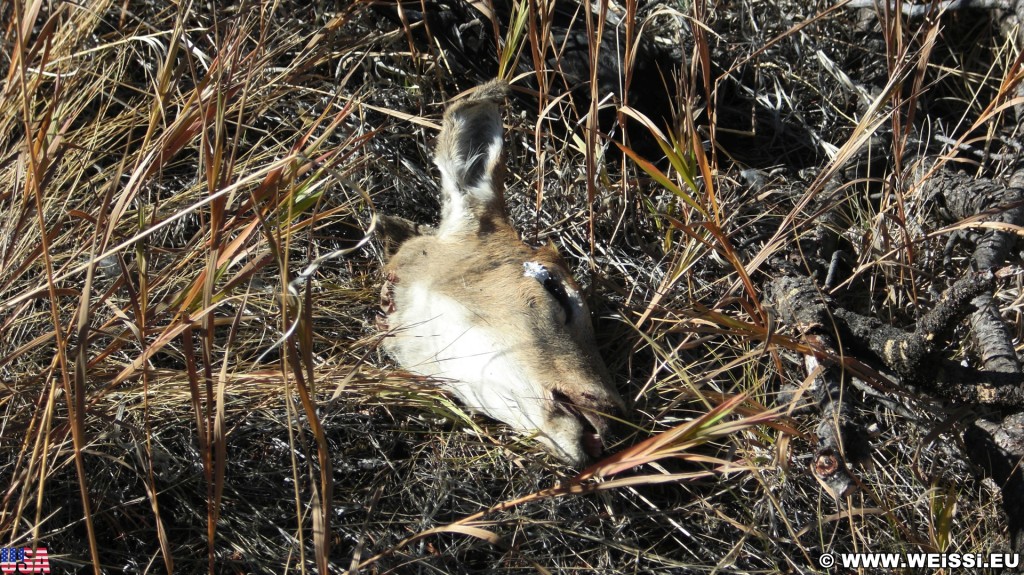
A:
[538,322]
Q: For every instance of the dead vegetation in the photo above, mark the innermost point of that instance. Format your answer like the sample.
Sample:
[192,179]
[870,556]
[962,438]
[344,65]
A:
[190,379]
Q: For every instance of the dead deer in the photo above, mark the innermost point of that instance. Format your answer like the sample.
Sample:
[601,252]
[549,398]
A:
[502,325]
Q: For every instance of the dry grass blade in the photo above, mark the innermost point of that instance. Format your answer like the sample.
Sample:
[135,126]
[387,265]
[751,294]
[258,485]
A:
[168,310]
[680,443]
[39,159]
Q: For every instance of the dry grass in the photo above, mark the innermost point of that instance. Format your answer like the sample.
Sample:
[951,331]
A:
[189,376]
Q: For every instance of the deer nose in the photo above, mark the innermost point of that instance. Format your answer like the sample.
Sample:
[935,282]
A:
[593,413]
[592,444]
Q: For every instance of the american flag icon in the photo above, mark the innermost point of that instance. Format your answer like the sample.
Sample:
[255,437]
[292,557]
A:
[24,560]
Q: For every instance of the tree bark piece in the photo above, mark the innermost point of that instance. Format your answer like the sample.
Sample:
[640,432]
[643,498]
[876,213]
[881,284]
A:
[992,336]
[995,445]
[839,438]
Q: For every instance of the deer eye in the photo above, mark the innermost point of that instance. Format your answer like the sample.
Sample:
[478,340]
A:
[553,285]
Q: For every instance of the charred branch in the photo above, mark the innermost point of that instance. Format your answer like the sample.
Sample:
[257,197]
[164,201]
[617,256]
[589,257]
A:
[970,386]
[913,355]
[839,437]
[997,448]
[957,197]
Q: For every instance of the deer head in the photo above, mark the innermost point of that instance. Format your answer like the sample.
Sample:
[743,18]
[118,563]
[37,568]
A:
[501,324]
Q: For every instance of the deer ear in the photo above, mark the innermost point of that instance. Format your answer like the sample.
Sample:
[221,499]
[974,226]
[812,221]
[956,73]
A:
[469,157]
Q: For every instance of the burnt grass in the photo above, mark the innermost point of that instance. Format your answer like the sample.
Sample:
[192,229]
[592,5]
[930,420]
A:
[818,125]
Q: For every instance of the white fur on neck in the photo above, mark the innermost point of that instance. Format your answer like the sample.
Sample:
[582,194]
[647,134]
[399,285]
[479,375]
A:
[440,338]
